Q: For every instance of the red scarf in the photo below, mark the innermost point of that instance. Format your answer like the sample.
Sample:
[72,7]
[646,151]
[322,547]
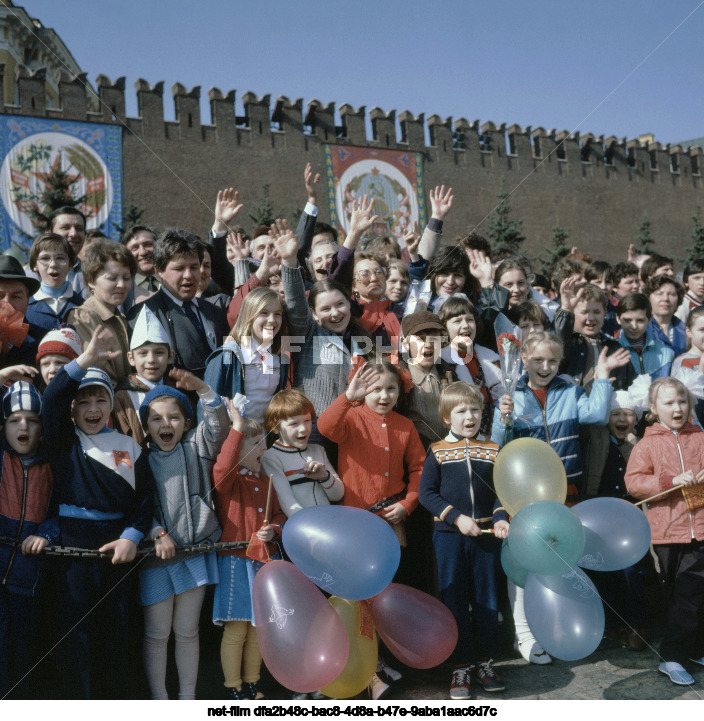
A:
[377,313]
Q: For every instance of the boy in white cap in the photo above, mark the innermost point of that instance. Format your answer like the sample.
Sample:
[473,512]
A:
[150,355]
[103,487]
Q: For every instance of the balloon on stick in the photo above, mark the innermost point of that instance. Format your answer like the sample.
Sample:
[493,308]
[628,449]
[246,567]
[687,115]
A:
[564,613]
[616,533]
[528,470]
[364,649]
[302,639]
[546,538]
[348,552]
[419,630]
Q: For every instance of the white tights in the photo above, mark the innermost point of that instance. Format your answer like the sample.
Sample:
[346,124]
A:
[182,613]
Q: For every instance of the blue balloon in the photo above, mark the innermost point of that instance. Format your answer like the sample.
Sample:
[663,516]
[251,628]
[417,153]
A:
[514,571]
[616,534]
[546,538]
[347,552]
[565,613]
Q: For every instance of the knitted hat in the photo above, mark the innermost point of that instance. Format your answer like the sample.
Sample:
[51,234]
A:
[148,329]
[159,392]
[64,341]
[96,377]
[21,396]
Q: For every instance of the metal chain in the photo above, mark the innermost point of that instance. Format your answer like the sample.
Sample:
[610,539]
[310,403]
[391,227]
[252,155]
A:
[71,552]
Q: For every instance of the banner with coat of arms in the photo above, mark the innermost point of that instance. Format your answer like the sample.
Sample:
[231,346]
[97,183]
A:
[30,148]
[393,178]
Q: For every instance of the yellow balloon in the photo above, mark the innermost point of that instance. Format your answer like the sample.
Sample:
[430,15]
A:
[361,662]
[528,470]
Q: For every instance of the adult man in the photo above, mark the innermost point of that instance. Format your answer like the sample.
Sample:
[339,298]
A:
[195,327]
[16,289]
[139,240]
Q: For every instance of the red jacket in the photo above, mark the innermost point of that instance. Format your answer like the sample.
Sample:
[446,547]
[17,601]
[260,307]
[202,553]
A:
[653,463]
[240,496]
[373,451]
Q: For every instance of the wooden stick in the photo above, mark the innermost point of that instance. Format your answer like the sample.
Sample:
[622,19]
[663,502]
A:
[268,502]
[657,495]
[488,530]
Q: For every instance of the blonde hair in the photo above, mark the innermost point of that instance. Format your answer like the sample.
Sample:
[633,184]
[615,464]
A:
[543,336]
[654,391]
[251,428]
[253,304]
[454,394]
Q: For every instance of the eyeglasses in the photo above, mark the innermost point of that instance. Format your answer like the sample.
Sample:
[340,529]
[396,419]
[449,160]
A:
[47,260]
[365,275]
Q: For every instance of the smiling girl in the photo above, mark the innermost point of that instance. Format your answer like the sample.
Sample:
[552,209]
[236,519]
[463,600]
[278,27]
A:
[250,362]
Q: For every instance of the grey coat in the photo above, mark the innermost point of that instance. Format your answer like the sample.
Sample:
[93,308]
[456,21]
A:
[183,500]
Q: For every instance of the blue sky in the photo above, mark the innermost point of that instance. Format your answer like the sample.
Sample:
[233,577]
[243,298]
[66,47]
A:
[533,63]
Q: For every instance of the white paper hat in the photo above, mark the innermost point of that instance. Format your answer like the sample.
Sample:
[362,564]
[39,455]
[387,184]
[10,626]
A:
[148,329]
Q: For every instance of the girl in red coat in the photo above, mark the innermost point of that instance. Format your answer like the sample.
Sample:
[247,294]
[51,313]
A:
[671,454]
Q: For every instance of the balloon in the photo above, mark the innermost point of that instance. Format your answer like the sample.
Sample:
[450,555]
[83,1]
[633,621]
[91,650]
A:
[546,538]
[419,630]
[616,533]
[564,613]
[514,571]
[528,470]
[364,649]
[302,640]
[348,552]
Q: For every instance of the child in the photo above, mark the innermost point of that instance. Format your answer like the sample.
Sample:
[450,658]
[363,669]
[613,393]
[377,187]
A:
[57,348]
[398,282]
[151,354]
[241,496]
[251,362]
[693,279]
[671,454]
[626,279]
[529,317]
[172,584]
[25,490]
[52,257]
[303,475]
[473,363]
[108,270]
[601,274]
[648,355]
[457,487]
[103,488]
[695,336]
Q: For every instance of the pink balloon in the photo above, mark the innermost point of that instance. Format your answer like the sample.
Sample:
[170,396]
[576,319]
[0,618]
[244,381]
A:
[303,640]
[419,630]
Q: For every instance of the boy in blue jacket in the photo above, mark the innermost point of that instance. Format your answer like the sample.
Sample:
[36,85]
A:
[25,491]
[457,487]
[103,487]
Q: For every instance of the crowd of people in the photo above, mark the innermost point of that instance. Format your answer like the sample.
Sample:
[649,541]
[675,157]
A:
[152,386]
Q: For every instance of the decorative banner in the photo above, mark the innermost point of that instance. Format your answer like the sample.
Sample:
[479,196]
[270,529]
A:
[394,178]
[31,148]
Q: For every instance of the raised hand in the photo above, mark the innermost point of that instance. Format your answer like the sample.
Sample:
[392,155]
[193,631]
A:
[186,381]
[311,182]
[285,242]
[440,201]
[235,415]
[631,252]
[269,265]
[568,297]
[480,267]
[12,374]
[412,240]
[606,364]
[362,219]
[227,206]
[98,350]
[361,382]
[238,248]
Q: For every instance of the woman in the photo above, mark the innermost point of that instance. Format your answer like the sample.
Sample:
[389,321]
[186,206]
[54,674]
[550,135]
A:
[665,295]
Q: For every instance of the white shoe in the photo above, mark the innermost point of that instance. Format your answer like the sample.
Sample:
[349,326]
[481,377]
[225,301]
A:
[377,688]
[532,651]
[676,672]
[383,668]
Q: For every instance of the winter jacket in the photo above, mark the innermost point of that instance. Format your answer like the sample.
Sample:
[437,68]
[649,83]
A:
[654,462]
[655,359]
[567,407]
[25,491]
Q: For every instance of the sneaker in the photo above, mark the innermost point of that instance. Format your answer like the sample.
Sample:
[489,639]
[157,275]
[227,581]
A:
[461,683]
[700,661]
[386,672]
[488,678]
[532,651]
[676,672]
[377,688]
[252,692]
